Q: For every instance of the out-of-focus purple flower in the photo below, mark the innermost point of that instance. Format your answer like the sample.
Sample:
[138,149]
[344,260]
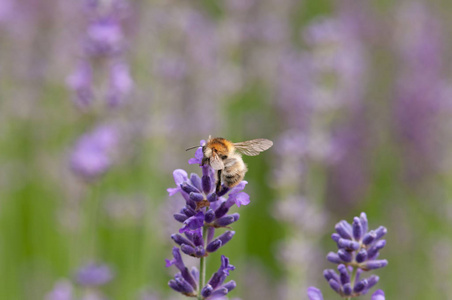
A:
[121,84]
[63,290]
[91,156]
[94,274]
[314,293]
[104,37]
[421,81]
[378,295]
[80,82]
[358,252]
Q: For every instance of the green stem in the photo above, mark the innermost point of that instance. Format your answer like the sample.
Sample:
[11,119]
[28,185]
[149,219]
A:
[202,267]
[352,279]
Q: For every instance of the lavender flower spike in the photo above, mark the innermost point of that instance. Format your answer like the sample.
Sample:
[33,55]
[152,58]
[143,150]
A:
[205,210]
[357,253]
[94,275]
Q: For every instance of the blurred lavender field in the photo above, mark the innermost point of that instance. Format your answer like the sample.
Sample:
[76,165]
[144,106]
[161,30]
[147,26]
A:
[100,98]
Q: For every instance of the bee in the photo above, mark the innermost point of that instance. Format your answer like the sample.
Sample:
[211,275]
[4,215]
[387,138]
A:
[225,157]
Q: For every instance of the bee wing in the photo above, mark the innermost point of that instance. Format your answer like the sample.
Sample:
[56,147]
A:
[216,163]
[253,147]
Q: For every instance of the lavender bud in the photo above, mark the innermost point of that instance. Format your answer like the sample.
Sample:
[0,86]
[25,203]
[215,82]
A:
[348,244]
[381,231]
[230,285]
[371,281]
[209,216]
[361,256]
[206,184]
[188,211]
[179,239]
[222,210]
[373,251]
[188,188]
[212,197]
[363,219]
[214,245]
[335,237]
[222,291]
[187,249]
[335,286]
[173,284]
[180,217]
[207,291]
[360,286]
[344,229]
[345,277]
[344,255]
[196,196]
[357,229]
[227,220]
[196,181]
[199,251]
[374,264]
[330,274]
[369,237]
[347,289]
[226,237]
[334,258]
[184,285]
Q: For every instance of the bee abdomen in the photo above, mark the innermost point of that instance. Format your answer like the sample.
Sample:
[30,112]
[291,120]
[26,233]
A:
[232,180]
[234,170]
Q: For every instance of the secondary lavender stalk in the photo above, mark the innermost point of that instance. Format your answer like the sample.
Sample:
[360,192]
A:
[205,212]
[358,251]
[103,44]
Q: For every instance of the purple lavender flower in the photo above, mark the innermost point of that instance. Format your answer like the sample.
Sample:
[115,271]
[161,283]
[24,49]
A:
[121,84]
[91,156]
[205,210]
[80,82]
[315,294]
[63,290]
[104,39]
[215,287]
[94,274]
[358,250]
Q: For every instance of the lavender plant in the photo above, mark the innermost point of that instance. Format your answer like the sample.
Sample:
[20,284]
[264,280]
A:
[89,278]
[103,42]
[358,251]
[205,212]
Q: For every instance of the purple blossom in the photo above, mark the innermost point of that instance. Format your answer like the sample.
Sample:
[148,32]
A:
[63,290]
[315,294]
[92,154]
[104,37]
[205,210]
[94,274]
[121,84]
[420,85]
[358,250]
[215,287]
[80,82]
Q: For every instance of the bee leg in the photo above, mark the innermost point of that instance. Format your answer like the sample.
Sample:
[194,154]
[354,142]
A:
[218,186]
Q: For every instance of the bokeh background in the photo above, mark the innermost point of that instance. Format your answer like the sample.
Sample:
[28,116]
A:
[100,98]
